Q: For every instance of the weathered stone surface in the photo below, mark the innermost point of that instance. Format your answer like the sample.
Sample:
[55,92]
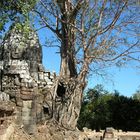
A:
[4,96]
[23,77]
[7,133]
[27,96]
[28,116]
[6,107]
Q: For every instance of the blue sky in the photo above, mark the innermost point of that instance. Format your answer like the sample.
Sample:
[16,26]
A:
[126,80]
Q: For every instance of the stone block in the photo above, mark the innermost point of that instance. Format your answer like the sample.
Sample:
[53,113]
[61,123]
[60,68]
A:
[109,129]
[47,79]
[26,92]
[4,96]
[50,83]
[26,89]
[40,76]
[27,97]
[39,112]
[39,99]
[30,128]
[27,117]
[23,88]
[41,68]
[14,67]
[19,103]
[51,76]
[1,65]
[47,73]
[23,84]
[31,84]
[24,74]
[109,133]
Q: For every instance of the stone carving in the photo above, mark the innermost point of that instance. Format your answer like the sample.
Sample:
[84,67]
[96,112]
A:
[23,79]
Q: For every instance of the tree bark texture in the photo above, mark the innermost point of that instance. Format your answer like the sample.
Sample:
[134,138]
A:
[67,102]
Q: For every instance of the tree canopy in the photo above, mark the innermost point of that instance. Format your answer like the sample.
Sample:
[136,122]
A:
[10,10]
[109,109]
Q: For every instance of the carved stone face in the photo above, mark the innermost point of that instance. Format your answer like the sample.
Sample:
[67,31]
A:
[17,52]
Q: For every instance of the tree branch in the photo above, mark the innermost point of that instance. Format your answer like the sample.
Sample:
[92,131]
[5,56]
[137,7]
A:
[111,25]
[47,25]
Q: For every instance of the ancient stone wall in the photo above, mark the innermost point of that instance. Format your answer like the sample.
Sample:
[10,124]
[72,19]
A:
[23,81]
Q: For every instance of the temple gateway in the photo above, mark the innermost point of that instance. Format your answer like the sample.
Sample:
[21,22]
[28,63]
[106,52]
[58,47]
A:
[24,84]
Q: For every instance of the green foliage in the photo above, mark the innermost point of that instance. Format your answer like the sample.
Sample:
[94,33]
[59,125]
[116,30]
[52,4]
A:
[94,112]
[11,9]
[125,113]
[136,95]
[25,28]
[101,109]
[18,6]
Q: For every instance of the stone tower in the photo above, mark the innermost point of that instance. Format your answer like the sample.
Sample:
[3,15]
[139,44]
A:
[23,81]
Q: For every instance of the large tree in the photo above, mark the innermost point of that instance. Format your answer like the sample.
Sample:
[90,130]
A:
[92,34]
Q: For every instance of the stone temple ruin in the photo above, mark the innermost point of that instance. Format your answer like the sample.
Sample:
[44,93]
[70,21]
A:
[23,80]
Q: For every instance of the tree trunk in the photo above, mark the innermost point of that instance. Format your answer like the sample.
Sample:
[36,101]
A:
[68,89]
[68,102]
[69,108]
